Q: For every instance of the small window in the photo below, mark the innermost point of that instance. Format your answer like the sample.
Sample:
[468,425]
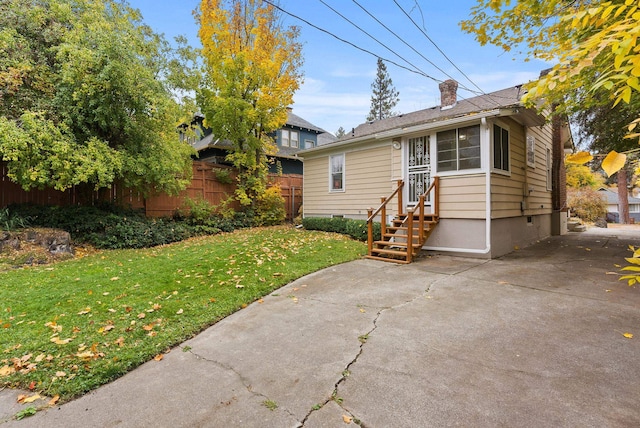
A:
[458,149]
[309,144]
[294,139]
[284,138]
[531,151]
[549,169]
[500,148]
[336,173]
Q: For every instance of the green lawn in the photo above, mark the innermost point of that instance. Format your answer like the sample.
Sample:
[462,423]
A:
[69,327]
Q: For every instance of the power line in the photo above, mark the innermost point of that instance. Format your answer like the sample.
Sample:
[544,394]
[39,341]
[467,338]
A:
[372,37]
[350,43]
[411,47]
[436,45]
[418,72]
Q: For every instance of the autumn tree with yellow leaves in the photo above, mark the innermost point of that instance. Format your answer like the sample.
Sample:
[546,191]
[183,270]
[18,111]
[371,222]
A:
[593,44]
[252,69]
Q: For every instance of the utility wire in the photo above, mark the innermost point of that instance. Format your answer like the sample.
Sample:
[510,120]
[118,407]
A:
[411,47]
[350,43]
[436,46]
[418,72]
[378,41]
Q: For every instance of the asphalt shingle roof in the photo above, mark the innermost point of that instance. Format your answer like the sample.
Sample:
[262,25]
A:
[504,98]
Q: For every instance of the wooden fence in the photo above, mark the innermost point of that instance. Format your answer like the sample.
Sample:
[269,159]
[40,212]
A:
[204,185]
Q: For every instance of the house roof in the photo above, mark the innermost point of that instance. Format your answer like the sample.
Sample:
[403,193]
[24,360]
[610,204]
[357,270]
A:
[612,196]
[505,102]
[296,121]
[293,120]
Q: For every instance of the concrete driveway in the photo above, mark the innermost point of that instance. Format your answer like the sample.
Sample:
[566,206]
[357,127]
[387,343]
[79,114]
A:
[534,338]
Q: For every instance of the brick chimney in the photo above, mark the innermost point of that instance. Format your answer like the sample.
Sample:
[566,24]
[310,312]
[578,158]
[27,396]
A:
[448,94]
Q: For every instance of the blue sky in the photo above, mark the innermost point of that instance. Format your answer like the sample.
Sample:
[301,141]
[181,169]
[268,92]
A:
[338,77]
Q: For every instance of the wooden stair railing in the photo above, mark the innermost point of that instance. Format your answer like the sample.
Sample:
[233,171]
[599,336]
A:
[403,239]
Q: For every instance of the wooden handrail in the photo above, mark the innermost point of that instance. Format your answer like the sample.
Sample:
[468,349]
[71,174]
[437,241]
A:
[409,218]
[385,201]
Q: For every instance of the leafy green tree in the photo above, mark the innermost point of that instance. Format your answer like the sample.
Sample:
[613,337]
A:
[603,128]
[86,98]
[579,176]
[594,45]
[252,69]
[384,97]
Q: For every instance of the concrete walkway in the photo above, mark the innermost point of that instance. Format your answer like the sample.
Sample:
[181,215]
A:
[531,339]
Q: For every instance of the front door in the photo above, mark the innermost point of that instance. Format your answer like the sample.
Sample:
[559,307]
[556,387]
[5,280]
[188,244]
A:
[419,168]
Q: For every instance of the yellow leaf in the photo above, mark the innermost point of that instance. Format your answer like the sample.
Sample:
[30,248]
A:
[31,399]
[346,419]
[179,311]
[53,400]
[59,341]
[628,335]
[6,370]
[613,162]
[158,357]
[85,311]
[579,158]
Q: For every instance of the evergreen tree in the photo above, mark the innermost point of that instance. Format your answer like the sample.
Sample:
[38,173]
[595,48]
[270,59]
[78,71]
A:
[340,132]
[385,96]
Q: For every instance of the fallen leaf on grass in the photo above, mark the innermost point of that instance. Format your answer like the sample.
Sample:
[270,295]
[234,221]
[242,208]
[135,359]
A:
[119,341]
[54,400]
[158,357]
[60,374]
[179,312]
[85,311]
[6,370]
[32,385]
[115,278]
[59,341]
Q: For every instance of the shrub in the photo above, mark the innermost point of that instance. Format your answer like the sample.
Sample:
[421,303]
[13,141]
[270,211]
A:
[587,203]
[10,221]
[357,229]
[270,208]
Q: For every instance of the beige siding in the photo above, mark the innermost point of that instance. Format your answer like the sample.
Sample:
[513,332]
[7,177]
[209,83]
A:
[369,175]
[463,196]
[511,193]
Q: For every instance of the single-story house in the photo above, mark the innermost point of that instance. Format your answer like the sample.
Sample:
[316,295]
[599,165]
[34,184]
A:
[492,157]
[613,211]
[297,134]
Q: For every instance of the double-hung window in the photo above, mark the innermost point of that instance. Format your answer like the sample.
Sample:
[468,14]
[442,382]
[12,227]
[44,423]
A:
[336,173]
[293,141]
[459,149]
[500,148]
[284,138]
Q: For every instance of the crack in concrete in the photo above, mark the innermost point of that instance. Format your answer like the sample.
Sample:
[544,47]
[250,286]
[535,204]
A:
[245,382]
[346,372]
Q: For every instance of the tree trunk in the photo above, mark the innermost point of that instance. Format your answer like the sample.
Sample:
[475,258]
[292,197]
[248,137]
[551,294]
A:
[623,197]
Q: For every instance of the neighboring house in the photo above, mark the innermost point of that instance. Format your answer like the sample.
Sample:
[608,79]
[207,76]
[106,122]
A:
[295,135]
[613,211]
[492,155]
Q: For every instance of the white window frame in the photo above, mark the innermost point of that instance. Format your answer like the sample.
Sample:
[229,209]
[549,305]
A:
[284,137]
[309,144]
[500,169]
[341,159]
[634,208]
[531,151]
[294,142]
[457,169]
